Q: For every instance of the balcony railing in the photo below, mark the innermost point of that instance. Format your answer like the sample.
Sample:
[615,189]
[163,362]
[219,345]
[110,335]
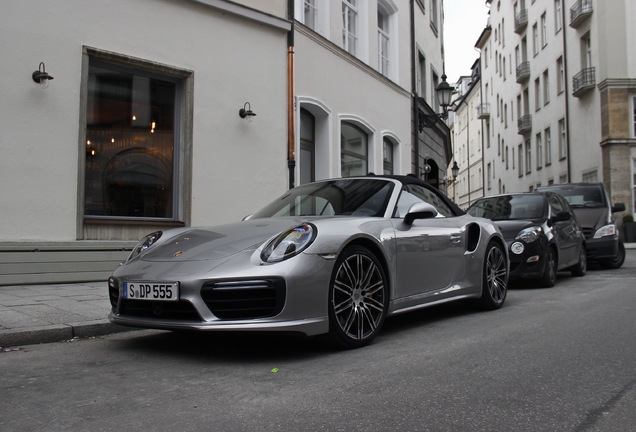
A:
[483,111]
[521,21]
[523,72]
[583,81]
[579,12]
[524,124]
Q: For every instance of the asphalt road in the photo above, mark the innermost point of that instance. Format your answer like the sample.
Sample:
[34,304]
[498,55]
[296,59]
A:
[558,359]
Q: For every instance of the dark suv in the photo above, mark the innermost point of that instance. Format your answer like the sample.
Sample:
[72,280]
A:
[595,213]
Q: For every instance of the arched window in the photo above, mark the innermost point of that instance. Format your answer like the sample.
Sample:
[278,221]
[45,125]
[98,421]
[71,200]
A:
[354,150]
[388,151]
[307,147]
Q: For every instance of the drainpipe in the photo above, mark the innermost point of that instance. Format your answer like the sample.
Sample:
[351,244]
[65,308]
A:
[567,96]
[416,143]
[291,141]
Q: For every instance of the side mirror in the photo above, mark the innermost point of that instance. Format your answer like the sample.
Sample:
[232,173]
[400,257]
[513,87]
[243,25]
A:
[618,207]
[562,217]
[419,210]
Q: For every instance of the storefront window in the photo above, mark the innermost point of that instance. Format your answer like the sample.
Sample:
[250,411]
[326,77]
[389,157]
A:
[130,144]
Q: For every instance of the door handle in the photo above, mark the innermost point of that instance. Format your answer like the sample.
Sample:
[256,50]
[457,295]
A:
[456,238]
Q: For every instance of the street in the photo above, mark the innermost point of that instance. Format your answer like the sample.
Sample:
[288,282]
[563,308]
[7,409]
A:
[557,359]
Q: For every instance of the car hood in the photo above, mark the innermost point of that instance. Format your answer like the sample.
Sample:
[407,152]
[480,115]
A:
[593,218]
[218,242]
[510,228]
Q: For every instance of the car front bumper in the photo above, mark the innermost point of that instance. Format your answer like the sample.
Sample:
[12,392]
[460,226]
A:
[602,248]
[302,283]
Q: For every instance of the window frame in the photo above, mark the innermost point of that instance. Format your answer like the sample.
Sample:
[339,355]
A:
[183,139]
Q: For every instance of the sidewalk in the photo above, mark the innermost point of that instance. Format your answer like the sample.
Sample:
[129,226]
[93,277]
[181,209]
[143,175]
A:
[32,314]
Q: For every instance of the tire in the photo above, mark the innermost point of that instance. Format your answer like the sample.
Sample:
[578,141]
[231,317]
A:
[358,298]
[495,277]
[548,280]
[616,262]
[580,268]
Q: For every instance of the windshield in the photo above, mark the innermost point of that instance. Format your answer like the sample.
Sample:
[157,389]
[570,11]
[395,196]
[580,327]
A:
[510,207]
[582,196]
[350,197]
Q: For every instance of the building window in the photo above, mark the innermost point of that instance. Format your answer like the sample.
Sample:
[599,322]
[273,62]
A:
[350,26]
[544,31]
[422,74]
[563,145]
[546,87]
[558,15]
[547,143]
[537,94]
[489,176]
[310,14]
[586,51]
[132,143]
[539,146]
[590,177]
[435,83]
[520,160]
[307,147]
[535,39]
[560,75]
[388,154]
[354,151]
[528,156]
[383,41]
[434,14]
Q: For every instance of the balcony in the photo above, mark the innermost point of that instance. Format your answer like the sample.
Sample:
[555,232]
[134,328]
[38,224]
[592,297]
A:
[523,72]
[583,82]
[524,124]
[581,10]
[521,21]
[483,111]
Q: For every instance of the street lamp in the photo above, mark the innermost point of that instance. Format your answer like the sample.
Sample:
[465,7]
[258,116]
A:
[455,170]
[444,94]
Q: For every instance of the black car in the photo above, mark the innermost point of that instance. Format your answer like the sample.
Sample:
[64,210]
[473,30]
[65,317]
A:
[541,232]
[594,210]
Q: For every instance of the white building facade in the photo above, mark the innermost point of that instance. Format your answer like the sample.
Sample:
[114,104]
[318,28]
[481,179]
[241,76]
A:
[560,81]
[467,141]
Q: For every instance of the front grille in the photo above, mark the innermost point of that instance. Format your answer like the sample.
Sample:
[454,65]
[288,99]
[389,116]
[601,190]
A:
[180,310]
[244,299]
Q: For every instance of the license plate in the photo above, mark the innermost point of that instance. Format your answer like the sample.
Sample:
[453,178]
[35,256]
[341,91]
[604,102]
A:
[156,291]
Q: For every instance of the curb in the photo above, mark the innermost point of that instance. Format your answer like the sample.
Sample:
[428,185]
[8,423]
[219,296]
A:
[58,333]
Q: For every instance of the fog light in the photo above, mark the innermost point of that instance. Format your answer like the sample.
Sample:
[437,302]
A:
[517,248]
[533,258]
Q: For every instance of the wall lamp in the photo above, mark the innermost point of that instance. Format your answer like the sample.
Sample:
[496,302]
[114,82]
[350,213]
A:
[246,112]
[41,77]
[444,95]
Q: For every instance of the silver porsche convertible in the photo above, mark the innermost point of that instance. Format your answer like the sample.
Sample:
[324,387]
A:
[334,257]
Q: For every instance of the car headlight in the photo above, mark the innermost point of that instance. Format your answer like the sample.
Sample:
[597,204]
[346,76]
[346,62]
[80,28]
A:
[145,243]
[607,230]
[529,235]
[289,244]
